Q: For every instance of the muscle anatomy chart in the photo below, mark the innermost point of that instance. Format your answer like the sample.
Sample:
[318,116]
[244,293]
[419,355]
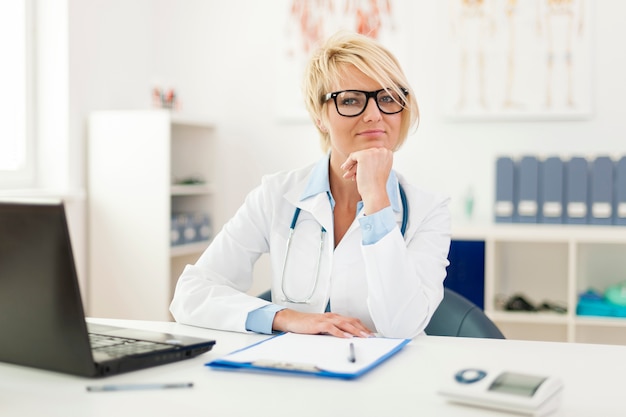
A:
[307,22]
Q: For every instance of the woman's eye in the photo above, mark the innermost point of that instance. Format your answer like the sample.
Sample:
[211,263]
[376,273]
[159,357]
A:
[387,98]
[350,101]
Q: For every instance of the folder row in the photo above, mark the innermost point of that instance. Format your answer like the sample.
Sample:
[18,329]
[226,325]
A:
[189,228]
[577,190]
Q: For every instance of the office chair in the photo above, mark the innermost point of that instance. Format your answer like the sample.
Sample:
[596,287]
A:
[266,295]
[455,316]
[458,316]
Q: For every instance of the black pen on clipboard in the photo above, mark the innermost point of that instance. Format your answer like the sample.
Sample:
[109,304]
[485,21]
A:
[351,354]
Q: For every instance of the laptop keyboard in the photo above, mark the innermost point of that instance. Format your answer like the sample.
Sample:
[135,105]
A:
[116,347]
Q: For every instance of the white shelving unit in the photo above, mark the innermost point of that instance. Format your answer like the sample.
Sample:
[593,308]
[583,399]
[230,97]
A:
[138,165]
[553,263]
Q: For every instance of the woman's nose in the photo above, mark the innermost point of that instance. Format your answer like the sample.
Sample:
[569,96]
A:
[372,112]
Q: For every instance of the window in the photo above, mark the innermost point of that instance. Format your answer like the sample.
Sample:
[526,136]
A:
[16,144]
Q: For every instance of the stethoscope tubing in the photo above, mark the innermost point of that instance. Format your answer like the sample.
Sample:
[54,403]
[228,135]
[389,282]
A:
[292,228]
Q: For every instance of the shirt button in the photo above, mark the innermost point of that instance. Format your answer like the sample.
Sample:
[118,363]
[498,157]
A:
[368,227]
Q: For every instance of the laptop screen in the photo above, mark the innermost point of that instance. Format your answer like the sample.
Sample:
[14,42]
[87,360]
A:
[41,314]
[42,322]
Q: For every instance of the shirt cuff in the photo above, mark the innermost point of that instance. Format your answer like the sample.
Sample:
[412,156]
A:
[261,319]
[375,226]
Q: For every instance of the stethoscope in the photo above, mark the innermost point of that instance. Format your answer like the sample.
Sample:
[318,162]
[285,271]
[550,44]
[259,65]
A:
[292,228]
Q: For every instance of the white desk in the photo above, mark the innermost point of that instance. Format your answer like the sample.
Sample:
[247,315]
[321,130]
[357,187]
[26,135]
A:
[405,385]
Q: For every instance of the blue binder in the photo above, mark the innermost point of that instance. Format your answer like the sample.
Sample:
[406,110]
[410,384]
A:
[576,191]
[528,190]
[466,272]
[504,207]
[620,192]
[601,191]
[551,187]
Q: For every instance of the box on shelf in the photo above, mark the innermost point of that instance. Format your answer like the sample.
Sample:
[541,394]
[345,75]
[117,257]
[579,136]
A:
[190,227]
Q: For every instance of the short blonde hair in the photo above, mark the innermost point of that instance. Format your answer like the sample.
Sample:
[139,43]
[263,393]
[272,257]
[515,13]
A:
[343,49]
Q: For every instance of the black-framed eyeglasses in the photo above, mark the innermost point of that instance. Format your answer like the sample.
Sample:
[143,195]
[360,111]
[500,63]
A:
[351,103]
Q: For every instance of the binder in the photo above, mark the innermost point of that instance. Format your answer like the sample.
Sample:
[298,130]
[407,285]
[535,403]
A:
[466,272]
[504,207]
[576,191]
[528,190]
[601,191]
[620,192]
[315,355]
[551,190]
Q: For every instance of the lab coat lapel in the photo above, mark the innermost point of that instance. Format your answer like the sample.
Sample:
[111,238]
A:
[318,205]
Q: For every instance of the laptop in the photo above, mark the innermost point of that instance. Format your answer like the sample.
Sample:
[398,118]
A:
[42,320]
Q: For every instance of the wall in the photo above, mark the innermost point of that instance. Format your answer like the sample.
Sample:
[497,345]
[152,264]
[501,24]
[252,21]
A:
[220,57]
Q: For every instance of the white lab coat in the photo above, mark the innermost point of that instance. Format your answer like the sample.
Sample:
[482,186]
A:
[392,286]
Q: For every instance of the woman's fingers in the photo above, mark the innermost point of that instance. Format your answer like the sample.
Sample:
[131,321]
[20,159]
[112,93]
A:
[328,323]
[349,168]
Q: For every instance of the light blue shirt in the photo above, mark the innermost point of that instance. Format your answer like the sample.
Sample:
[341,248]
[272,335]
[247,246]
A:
[373,228]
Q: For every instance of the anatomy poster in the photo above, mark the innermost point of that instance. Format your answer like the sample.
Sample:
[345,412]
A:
[307,22]
[516,59]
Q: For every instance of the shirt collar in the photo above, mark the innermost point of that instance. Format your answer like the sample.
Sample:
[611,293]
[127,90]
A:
[319,183]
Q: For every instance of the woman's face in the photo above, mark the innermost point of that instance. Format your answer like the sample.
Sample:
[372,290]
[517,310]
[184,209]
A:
[370,129]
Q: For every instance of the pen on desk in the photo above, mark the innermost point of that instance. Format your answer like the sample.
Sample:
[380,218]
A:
[352,356]
[130,387]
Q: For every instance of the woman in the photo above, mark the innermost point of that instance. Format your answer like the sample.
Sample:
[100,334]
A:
[367,247]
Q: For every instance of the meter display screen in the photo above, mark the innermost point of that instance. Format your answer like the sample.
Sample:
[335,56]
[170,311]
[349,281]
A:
[517,384]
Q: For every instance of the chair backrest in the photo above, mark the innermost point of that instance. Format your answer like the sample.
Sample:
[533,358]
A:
[459,317]
[455,316]
[266,295]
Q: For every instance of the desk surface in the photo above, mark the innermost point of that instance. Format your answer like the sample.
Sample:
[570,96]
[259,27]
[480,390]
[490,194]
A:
[405,385]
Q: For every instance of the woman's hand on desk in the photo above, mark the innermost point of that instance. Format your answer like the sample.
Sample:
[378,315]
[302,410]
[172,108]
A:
[312,323]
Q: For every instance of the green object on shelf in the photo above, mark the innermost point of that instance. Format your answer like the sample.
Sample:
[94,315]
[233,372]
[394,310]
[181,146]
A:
[190,181]
[616,294]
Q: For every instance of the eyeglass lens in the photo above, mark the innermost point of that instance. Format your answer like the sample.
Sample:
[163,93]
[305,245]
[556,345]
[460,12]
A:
[353,103]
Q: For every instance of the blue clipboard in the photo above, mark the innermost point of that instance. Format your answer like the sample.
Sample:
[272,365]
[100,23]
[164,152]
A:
[314,355]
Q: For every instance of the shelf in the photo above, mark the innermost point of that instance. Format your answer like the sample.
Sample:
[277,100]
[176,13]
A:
[133,268]
[549,262]
[601,321]
[194,189]
[528,317]
[188,249]
[540,232]
[185,119]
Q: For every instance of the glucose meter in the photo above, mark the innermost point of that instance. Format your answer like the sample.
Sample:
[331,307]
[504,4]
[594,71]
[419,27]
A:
[521,393]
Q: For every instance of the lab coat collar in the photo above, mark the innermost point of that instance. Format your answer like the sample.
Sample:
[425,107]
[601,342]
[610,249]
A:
[318,180]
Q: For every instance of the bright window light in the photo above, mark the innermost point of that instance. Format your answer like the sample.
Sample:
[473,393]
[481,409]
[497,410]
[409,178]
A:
[13,140]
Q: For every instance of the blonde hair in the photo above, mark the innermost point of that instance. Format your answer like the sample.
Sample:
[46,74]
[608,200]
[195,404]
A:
[343,49]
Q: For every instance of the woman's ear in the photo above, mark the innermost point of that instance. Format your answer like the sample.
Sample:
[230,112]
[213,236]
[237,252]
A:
[321,126]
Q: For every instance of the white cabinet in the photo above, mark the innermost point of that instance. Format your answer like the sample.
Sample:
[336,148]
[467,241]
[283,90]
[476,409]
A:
[143,166]
[553,263]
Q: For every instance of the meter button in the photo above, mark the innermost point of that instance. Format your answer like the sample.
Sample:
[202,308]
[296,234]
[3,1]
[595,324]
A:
[469,376]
